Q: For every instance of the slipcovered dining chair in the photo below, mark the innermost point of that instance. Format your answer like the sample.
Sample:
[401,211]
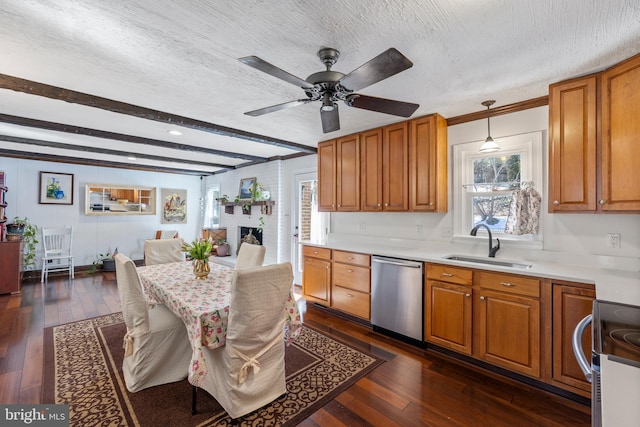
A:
[57,251]
[248,371]
[157,347]
[250,255]
[162,251]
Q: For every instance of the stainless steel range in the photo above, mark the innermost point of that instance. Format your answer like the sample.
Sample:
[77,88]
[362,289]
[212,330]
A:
[614,370]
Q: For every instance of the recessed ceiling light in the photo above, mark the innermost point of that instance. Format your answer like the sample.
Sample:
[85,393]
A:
[175,132]
[132,158]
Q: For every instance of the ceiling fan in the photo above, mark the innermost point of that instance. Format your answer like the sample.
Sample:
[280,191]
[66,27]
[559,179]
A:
[331,86]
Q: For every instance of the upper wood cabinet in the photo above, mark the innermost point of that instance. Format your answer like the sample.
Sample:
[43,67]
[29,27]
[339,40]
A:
[339,174]
[400,167]
[428,151]
[620,131]
[592,167]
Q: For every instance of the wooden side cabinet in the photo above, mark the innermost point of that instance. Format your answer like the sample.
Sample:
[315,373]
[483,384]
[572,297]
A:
[571,303]
[316,275]
[11,267]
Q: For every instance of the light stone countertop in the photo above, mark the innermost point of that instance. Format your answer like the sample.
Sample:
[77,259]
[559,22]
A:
[616,279]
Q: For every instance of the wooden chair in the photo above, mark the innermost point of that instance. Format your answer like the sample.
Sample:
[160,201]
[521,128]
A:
[157,347]
[57,248]
[248,371]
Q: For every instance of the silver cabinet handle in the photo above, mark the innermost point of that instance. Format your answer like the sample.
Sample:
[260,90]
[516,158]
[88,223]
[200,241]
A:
[482,298]
[315,252]
[467,295]
[602,202]
[555,202]
[350,271]
[507,284]
[447,275]
[350,295]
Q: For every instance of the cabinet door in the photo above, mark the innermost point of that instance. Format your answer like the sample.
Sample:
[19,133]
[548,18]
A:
[620,130]
[11,266]
[371,170]
[509,331]
[570,305]
[572,145]
[327,176]
[348,173]
[448,316]
[395,167]
[316,279]
[428,164]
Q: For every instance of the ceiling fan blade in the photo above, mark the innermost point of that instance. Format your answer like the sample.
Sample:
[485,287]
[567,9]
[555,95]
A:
[330,120]
[264,66]
[277,107]
[382,105]
[387,64]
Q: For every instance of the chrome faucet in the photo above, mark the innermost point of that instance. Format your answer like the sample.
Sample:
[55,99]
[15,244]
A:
[492,249]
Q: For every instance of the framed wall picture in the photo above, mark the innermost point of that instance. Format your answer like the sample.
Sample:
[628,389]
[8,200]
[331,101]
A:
[56,188]
[174,206]
[246,184]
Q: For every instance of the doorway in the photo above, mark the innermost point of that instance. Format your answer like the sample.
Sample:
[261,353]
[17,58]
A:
[308,223]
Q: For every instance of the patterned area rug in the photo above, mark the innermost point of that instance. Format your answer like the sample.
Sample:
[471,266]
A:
[83,368]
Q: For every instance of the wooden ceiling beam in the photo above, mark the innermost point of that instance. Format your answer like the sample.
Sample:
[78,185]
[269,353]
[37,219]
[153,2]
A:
[53,92]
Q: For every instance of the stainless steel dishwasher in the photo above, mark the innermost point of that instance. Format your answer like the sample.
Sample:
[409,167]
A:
[396,297]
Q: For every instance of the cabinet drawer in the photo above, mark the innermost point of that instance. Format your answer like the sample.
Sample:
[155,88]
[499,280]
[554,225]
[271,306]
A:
[447,273]
[350,301]
[352,258]
[518,285]
[314,252]
[352,277]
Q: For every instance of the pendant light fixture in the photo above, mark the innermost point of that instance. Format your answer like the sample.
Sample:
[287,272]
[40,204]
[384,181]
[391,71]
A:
[489,145]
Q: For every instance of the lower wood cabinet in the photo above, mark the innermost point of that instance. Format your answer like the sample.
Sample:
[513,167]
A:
[11,267]
[571,303]
[316,275]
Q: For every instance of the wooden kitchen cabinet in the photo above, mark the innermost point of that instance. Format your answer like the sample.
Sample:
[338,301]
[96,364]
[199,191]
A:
[448,313]
[395,167]
[105,199]
[371,170]
[620,130]
[11,266]
[428,152]
[316,274]
[339,174]
[351,283]
[593,154]
[572,145]
[571,303]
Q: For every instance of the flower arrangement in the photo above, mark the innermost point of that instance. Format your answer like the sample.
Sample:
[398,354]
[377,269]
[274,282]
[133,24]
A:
[199,249]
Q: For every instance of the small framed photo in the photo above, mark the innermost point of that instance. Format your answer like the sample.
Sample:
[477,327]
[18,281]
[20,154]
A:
[246,184]
[56,188]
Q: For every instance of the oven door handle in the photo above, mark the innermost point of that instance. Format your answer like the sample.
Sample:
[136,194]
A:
[583,362]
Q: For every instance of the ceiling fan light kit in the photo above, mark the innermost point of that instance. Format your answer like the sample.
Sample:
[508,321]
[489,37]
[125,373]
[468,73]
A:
[489,145]
[331,86]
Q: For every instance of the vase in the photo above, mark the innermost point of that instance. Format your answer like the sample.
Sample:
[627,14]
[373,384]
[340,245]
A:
[201,268]
[223,250]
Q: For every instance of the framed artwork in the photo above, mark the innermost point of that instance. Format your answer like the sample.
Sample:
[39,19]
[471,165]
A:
[246,184]
[56,188]
[174,206]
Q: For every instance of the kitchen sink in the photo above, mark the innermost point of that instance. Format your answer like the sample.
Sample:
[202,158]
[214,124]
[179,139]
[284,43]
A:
[487,261]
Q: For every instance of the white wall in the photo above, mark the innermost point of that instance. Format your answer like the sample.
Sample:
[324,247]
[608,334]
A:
[96,234]
[570,233]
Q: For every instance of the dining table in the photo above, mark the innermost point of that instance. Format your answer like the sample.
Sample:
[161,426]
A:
[203,305]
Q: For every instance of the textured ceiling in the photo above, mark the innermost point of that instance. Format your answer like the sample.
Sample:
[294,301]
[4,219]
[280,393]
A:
[181,57]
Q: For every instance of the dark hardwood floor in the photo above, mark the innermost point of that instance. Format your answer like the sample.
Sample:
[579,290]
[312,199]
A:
[415,387]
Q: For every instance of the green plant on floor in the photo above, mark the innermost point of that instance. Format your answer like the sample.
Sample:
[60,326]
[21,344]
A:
[97,262]
[30,242]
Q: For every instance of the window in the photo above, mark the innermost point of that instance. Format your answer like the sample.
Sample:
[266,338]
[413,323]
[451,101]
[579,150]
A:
[212,207]
[484,183]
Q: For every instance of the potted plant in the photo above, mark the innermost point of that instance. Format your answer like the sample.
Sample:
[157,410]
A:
[222,248]
[28,231]
[199,251]
[105,261]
